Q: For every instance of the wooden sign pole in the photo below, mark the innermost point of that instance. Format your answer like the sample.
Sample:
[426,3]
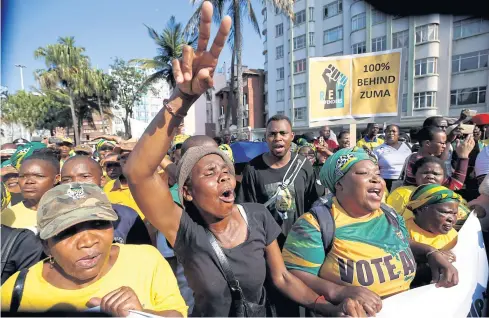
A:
[353,135]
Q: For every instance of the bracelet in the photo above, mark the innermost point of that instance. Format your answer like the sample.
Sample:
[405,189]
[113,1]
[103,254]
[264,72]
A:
[170,110]
[431,252]
[315,302]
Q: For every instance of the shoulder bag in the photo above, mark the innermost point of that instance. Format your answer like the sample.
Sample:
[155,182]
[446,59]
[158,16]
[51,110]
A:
[240,306]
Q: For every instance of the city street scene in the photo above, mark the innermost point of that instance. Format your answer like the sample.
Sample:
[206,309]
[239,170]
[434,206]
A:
[244,158]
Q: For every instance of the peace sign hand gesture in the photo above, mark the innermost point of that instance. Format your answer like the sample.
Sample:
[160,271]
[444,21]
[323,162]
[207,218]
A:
[194,72]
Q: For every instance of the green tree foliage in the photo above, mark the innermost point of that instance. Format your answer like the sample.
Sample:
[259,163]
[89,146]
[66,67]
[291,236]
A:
[170,46]
[128,82]
[32,110]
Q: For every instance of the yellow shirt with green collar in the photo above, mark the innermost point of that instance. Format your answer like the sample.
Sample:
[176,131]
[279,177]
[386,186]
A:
[370,143]
[369,252]
[444,242]
[121,194]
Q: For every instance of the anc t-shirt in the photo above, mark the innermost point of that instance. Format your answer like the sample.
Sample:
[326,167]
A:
[399,198]
[444,242]
[121,194]
[140,267]
[368,252]
[260,183]
[20,217]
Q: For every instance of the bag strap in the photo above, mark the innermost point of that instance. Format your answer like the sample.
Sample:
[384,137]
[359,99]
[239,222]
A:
[390,214]
[9,244]
[288,181]
[321,211]
[226,267]
[18,290]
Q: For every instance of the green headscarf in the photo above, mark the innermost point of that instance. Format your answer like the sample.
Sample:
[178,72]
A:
[429,194]
[24,152]
[338,164]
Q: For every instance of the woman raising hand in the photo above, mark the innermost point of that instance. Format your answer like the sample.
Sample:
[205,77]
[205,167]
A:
[246,234]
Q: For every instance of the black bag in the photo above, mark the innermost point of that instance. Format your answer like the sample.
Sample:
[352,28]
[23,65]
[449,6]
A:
[240,306]
[8,244]
[18,291]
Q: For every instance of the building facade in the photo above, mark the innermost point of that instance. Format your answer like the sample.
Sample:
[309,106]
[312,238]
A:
[444,58]
[254,116]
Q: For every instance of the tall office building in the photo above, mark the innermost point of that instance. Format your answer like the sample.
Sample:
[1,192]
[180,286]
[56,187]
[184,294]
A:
[444,65]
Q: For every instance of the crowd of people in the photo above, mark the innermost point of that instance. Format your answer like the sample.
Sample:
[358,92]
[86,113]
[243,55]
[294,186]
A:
[168,225]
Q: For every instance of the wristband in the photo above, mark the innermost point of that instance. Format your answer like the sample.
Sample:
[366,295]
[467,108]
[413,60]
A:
[315,302]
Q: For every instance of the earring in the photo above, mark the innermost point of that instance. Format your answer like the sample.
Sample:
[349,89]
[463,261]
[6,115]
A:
[51,262]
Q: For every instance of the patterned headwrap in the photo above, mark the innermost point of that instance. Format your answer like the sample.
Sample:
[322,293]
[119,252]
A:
[5,196]
[24,152]
[429,194]
[104,142]
[338,164]
[293,147]
[227,150]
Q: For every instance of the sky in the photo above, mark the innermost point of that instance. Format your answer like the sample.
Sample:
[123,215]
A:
[106,28]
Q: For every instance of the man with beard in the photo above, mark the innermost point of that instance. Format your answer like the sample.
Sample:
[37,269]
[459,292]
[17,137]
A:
[283,181]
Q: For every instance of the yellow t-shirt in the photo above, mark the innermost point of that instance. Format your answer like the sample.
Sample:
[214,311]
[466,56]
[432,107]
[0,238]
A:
[370,144]
[399,198]
[121,194]
[140,267]
[442,242]
[369,252]
[19,216]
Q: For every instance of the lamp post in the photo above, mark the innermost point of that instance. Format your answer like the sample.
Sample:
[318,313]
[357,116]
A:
[21,67]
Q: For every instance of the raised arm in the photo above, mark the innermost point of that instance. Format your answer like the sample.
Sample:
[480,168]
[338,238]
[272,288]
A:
[193,74]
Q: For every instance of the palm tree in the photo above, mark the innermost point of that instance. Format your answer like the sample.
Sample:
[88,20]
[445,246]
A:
[237,9]
[66,69]
[102,88]
[170,46]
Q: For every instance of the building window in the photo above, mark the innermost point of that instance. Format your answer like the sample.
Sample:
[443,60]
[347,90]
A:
[280,51]
[300,42]
[332,9]
[280,95]
[359,48]
[332,35]
[279,30]
[277,10]
[299,90]
[311,14]
[379,44]
[424,100]
[335,54]
[378,17]
[468,96]
[299,66]
[311,38]
[400,39]
[300,113]
[469,27]
[280,73]
[358,22]
[426,33]
[265,16]
[280,112]
[470,61]
[425,66]
[404,103]
[300,17]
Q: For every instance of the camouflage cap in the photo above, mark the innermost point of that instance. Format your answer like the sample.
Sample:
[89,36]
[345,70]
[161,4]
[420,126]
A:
[70,204]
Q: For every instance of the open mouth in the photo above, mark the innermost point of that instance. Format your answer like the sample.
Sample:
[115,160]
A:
[227,196]
[89,261]
[447,227]
[375,193]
